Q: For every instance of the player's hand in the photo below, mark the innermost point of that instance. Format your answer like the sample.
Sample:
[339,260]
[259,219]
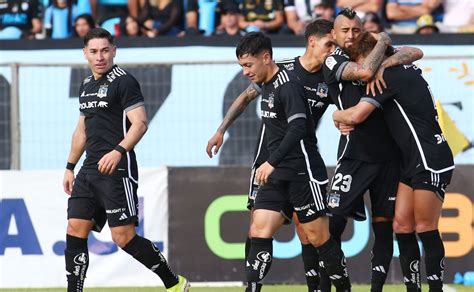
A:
[345,129]
[263,172]
[214,144]
[68,181]
[382,37]
[376,82]
[109,162]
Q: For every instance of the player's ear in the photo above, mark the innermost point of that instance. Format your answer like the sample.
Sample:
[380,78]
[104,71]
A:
[114,50]
[266,57]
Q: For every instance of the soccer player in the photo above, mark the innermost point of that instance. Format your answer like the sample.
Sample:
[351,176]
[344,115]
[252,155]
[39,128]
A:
[293,174]
[426,160]
[112,120]
[362,164]
[308,68]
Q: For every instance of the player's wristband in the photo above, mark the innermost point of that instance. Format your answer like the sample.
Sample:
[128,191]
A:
[120,149]
[70,166]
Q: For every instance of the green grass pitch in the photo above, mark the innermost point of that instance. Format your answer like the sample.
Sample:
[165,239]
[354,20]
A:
[266,288]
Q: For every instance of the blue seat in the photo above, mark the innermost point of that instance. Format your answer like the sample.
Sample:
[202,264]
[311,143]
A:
[10,32]
[110,24]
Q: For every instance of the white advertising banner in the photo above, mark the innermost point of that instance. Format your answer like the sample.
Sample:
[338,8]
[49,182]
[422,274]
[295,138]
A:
[33,222]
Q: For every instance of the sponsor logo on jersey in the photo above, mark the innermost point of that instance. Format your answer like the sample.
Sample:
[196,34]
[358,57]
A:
[315,103]
[330,62]
[102,104]
[93,104]
[322,90]
[359,83]
[268,114]
[102,91]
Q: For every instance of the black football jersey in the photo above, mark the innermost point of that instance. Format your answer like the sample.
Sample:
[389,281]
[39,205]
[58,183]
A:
[370,141]
[283,101]
[104,103]
[410,112]
[316,92]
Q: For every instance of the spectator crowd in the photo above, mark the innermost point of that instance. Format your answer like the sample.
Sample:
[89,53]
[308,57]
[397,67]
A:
[59,19]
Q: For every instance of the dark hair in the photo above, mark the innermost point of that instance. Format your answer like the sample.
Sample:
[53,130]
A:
[88,18]
[364,44]
[98,33]
[348,12]
[319,28]
[123,25]
[253,44]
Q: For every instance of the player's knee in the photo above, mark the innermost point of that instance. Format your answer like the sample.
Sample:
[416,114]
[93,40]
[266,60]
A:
[122,237]
[259,230]
[77,228]
[425,225]
[317,237]
[402,226]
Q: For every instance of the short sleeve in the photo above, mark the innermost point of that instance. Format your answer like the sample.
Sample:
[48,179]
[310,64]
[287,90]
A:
[333,67]
[130,93]
[293,100]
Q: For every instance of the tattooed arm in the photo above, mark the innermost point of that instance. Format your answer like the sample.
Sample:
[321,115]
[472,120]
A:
[365,72]
[236,108]
[403,56]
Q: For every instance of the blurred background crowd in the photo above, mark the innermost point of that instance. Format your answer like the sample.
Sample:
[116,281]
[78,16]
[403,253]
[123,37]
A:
[59,19]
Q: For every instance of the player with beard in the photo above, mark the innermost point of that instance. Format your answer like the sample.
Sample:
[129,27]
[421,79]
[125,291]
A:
[362,165]
[427,163]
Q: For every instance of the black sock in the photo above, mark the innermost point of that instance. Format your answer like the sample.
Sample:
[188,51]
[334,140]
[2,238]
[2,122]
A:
[332,259]
[150,256]
[434,259]
[77,262]
[259,260]
[247,247]
[324,281]
[310,262]
[337,224]
[409,260]
[382,253]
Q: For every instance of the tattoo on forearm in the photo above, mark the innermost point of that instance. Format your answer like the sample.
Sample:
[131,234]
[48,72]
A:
[237,107]
[374,59]
[351,71]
